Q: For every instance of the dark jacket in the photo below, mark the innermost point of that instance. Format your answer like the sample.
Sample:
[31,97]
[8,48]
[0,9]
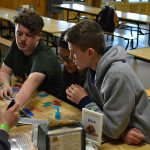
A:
[4,144]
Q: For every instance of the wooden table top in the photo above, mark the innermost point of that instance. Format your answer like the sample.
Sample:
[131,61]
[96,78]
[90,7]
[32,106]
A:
[7,14]
[134,17]
[55,26]
[121,146]
[143,53]
[79,8]
[38,106]
[42,108]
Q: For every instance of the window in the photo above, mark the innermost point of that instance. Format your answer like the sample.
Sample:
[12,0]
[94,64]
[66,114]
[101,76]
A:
[79,0]
[133,1]
[74,0]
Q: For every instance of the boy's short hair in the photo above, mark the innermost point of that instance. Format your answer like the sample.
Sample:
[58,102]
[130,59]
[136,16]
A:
[31,20]
[87,34]
[62,43]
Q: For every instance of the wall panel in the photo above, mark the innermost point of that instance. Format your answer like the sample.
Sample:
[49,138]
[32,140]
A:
[39,5]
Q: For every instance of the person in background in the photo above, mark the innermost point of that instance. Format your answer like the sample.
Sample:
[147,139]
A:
[111,86]
[30,59]
[71,74]
[8,118]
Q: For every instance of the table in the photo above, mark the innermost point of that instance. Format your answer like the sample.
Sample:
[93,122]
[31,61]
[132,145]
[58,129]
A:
[50,25]
[7,14]
[141,53]
[66,109]
[126,16]
[41,106]
[120,146]
[79,8]
[53,26]
[137,19]
[37,105]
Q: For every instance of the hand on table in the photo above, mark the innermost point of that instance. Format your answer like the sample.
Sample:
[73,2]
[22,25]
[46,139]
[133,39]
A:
[6,91]
[75,93]
[133,136]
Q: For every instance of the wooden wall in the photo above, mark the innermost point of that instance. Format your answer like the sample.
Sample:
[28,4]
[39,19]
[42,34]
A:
[39,5]
[42,5]
[141,7]
[94,3]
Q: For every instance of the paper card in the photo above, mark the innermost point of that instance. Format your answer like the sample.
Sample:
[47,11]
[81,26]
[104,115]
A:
[92,122]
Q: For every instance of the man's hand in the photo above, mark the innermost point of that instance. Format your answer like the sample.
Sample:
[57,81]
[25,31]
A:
[75,93]
[133,136]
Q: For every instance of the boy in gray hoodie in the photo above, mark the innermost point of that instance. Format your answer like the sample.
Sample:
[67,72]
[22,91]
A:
[111,87]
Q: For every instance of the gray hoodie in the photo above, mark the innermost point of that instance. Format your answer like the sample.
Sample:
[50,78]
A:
[119,95]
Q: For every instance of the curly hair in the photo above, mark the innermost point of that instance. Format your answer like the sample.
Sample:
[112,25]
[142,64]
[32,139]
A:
[31,20]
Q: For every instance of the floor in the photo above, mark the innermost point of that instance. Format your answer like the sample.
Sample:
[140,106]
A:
[143,39]
[141,68]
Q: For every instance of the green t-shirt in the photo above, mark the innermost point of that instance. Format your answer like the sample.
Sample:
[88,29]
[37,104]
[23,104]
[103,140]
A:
[42,60]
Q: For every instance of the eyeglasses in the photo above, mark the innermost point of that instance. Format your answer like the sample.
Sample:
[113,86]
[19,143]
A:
[65,59]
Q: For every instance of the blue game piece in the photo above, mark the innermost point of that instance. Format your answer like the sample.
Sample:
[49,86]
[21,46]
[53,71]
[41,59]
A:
[28,112]
[57,113]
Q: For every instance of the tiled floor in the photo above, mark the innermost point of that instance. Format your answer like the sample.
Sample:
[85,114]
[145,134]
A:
[143,39]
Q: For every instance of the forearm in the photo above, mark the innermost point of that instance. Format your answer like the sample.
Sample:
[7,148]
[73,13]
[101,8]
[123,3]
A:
[29,86]
[25,93]
[5,73]
[4,78]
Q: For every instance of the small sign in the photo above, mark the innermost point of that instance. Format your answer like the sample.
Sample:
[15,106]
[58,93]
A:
[92,122]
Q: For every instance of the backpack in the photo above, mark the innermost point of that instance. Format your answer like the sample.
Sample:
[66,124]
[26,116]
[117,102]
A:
[108,19]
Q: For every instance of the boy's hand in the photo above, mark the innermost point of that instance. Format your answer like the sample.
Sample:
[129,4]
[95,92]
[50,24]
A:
[133,136]
[75,93]
[6,91]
